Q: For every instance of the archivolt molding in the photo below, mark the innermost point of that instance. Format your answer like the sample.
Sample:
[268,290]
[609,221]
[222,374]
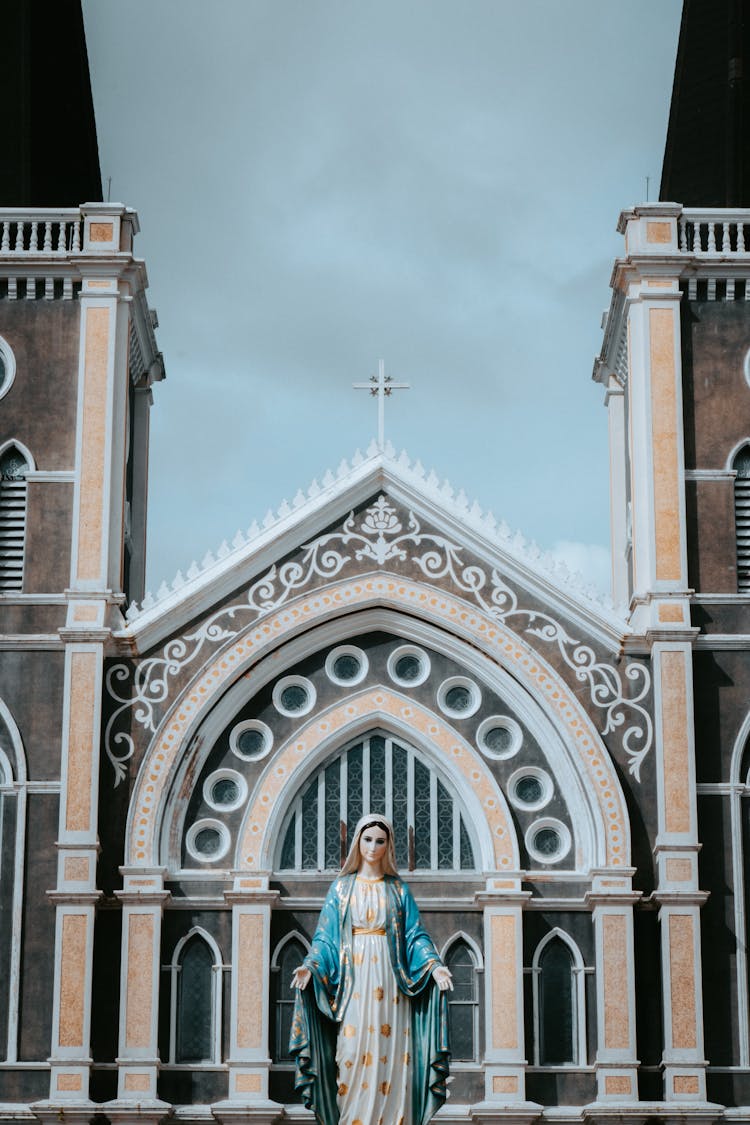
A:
[508,649]
[304,751]
[393,541]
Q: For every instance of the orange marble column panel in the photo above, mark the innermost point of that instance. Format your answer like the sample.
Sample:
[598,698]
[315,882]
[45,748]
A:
[93,444]
[675,727]
[140,977]
[504,983]
[664,436]
[82,720]
[682,981]
[73,980]
[250,981]
[615,986]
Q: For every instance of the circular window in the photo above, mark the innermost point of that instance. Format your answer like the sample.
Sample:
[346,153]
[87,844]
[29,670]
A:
[499,737]
[346,665]
[207,840]
[294,696]
[547,840]
[225,790]
[7,367]
[530,788]
[459,697]
[250,740]
[408,666]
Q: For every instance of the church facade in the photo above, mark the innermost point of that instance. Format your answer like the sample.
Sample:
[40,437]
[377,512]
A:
[180,774]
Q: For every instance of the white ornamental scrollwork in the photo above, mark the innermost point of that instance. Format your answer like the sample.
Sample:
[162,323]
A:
[379,536]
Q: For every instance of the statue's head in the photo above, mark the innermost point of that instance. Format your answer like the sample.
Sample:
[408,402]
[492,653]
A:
[370,824]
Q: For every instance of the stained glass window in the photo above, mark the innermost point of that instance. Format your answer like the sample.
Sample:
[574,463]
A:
[378,774]
[195,1003]
[463,1002]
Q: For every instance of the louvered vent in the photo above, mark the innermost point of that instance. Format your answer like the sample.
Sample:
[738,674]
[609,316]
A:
[13,469]
[742,518]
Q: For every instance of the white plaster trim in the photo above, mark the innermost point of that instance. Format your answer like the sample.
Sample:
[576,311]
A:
[461,935]
[16,772]
[192,594]
[738,881]
[293,935]
[710,474]
[51,476]
[6,352]
[735,450]
[14,443]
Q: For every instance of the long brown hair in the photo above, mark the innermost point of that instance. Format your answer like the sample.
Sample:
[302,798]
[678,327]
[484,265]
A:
[353,860]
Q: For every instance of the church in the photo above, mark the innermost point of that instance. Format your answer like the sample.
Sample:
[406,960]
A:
[567,777]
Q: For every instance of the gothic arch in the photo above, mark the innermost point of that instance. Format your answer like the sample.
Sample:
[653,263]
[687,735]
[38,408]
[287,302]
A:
[302,754]
[426,605]
[14,443]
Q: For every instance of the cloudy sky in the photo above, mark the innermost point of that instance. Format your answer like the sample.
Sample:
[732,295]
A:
[322,183]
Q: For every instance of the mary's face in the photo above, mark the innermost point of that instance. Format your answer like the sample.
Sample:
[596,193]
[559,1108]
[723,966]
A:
[372,845]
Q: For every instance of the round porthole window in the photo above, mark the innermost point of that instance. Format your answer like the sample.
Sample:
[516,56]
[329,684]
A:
[499,737]
[346,665]
[530,788]
[459,697]
[207,840]
[250,740]
[294,696]
[408,666]
[547,840]
[225,790]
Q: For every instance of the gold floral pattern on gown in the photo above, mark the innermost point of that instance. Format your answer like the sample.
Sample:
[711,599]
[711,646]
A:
[373,1054]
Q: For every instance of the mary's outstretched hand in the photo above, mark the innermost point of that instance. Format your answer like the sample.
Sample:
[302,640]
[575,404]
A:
[301,977]
[442,978]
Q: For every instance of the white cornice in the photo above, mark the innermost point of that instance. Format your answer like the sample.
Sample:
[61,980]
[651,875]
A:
[250,554]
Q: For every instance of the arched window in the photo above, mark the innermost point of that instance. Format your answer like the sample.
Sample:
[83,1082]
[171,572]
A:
[195,1032]
[286,959]
[463,1002]
[13,470]
[377,774]
[559,1019]
[741,465]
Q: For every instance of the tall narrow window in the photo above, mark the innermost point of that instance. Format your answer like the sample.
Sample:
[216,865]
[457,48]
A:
[13,470]
[463,1003]
[290,958]
[196,992]
[558,1002]
[377,774]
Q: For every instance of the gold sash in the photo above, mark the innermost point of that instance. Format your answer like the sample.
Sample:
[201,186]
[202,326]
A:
[379,930]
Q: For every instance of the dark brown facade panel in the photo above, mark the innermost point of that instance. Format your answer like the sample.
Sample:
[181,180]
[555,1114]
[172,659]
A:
[716,392]
[31,685]
[40,407]
[37,966]
[27,619]
[25,1085]
[721,693]
[711,542]
[48,537]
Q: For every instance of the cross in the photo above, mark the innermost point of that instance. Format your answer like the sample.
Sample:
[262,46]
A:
[380,386]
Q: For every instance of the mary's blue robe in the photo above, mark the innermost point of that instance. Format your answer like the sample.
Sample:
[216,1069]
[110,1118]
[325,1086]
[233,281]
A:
[320,1009]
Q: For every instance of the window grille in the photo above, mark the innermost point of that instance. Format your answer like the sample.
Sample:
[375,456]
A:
[291,957]
[377,774]
[742,517]
[13,469]
[463,1003]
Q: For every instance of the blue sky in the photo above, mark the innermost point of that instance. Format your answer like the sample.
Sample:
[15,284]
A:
[322,183]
